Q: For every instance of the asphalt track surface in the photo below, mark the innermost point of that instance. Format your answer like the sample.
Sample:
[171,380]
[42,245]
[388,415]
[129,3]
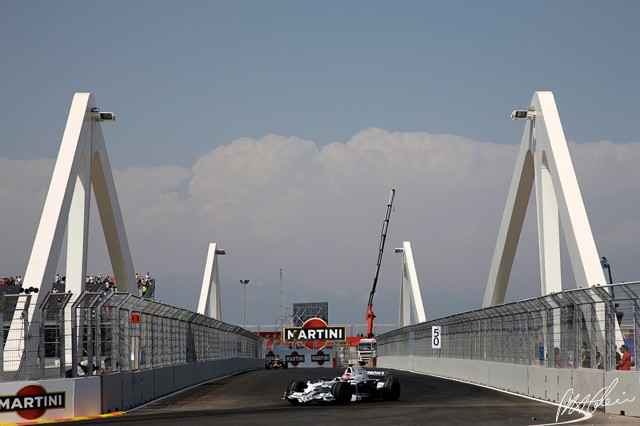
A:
[255,398]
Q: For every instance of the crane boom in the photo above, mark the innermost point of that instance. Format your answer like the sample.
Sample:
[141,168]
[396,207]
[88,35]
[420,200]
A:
[383,237]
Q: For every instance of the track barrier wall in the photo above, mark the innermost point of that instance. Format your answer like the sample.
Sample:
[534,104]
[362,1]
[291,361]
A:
[555,347]
[104,352]
[65,398]
[123,391]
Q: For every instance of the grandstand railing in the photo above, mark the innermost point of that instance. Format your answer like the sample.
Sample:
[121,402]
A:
[100,333]
[579,328]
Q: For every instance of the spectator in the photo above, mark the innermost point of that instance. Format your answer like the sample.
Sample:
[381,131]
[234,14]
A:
[625,360]
[586,356]
[105,365]
[599,359]
[618,356]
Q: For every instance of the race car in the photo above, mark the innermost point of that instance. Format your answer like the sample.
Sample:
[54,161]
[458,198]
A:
[275,362]
[356,384]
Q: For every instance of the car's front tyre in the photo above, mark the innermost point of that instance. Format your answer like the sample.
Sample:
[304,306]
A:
[342,392]
[295,386]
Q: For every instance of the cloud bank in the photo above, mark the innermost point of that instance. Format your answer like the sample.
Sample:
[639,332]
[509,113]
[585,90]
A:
[316,213]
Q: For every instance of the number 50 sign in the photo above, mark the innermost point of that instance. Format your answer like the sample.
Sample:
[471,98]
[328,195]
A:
[436,339]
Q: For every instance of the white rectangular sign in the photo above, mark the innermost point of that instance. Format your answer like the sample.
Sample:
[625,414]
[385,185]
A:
[54,399]
[436,338]
[327,333]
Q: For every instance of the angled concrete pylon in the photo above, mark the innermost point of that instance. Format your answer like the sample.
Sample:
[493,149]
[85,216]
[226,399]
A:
[82,162]
[544,158]
[209,303]
[410,290]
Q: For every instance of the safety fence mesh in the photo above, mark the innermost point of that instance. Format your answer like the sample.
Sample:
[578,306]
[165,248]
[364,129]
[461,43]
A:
[582,328]
[99,333]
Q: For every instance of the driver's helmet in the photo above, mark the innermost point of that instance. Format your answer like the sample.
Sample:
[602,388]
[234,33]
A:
[345,377]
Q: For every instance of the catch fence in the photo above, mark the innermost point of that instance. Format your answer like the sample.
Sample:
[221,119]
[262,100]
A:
[582,328]
[100,333]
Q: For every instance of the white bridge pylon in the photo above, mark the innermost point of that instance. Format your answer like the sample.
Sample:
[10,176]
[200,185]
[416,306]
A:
[209,303]
[544,158]
[410,289]
[82,163]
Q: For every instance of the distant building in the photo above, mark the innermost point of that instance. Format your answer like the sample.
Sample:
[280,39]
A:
[304,311]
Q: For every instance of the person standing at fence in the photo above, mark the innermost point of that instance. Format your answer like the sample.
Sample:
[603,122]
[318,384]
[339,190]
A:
[625,361]
[585,359]
[599,364]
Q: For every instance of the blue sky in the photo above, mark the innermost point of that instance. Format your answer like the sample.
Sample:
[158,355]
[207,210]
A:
[187,78]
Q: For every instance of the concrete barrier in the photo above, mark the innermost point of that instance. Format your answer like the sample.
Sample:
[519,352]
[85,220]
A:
[112,392]
[43,400]
[124,391]
[623,386]
[164,381]
[90,396]
[614,392]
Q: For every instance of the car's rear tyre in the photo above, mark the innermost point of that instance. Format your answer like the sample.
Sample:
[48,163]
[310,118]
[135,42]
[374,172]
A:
[295,386]
[342,392]
[391,390]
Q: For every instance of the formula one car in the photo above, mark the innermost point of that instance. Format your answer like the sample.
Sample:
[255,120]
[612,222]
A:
[275,362]
[356,384]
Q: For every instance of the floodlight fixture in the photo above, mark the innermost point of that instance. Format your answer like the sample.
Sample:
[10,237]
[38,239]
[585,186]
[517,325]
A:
[524,114]
[98,115]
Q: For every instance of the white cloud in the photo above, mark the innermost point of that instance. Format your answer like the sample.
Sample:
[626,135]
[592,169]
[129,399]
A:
[282,202]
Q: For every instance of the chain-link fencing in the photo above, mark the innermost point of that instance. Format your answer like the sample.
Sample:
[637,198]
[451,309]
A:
[100,333]
[582,328]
